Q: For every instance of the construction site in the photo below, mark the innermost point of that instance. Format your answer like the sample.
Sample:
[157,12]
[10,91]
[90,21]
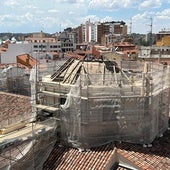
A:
[84,104]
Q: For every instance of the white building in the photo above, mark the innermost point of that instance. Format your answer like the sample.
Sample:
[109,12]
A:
[14,50]
[89,32]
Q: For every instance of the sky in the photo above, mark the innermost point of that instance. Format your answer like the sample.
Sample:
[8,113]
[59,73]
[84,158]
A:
[50,16]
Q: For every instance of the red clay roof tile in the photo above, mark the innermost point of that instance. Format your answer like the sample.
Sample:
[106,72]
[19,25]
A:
[12,105]
[63,158]
[154,158]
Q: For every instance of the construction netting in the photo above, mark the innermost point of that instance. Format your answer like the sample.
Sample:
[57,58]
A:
[30,148]
[26,147]
[123,106]
[15,79]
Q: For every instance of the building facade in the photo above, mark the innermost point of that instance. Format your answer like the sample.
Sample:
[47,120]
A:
[93,32]
[155,54]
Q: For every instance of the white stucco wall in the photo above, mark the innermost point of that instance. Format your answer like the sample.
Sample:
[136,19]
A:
[13,51]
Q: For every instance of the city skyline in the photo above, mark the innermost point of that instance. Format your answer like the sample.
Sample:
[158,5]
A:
[52,16]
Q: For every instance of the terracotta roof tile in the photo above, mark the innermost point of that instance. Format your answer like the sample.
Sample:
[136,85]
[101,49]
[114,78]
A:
[2,66]
[152,158]
[155,158]
[12,105]
[63,158]
[26,60]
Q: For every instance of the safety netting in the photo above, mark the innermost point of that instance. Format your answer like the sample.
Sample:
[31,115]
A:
[106,106]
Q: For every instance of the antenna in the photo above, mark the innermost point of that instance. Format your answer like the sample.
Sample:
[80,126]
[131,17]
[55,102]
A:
[151,24]
[130,27]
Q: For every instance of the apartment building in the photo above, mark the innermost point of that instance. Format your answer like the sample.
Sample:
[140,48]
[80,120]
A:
[155,54]
[93,32]
[63,42]
[40,37]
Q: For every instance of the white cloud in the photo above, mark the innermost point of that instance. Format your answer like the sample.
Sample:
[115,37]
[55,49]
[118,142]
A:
[107,19]
[150,4]
[28,16]
[14,20]
[53,11]
[11,2]
[71,12]
[165,14]
[92,18]
[139,17]
[72,1]
[32,14]
[30,7]
[111,4]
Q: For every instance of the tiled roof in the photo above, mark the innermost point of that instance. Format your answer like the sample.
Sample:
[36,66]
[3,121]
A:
[12,105]
[2,66]
[63,158]
[156,157]
[26,60]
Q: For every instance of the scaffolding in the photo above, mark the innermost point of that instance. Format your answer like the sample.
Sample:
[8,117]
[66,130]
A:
[14,79]
[27,147]
[86,104]
[97,103]
[25,142]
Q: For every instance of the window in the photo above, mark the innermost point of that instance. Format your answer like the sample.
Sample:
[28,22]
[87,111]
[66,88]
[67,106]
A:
[62,100]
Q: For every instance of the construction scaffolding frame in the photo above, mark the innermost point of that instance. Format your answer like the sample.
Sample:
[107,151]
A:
[26,142]
[105,104]
[86,104]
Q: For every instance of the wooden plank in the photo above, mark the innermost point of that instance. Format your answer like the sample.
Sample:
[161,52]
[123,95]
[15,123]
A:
[48,108]
[62,69]
[71,71]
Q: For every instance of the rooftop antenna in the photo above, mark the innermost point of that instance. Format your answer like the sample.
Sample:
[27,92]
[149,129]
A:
[151,24]
[130,27]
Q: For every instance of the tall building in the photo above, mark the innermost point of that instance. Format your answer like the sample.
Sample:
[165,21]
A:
[102,29]
[90,32]
[93,32]
[117,27]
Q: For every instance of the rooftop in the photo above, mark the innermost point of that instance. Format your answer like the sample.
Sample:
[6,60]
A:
[13,105]
[26,60]
[119,156]
[2,66]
